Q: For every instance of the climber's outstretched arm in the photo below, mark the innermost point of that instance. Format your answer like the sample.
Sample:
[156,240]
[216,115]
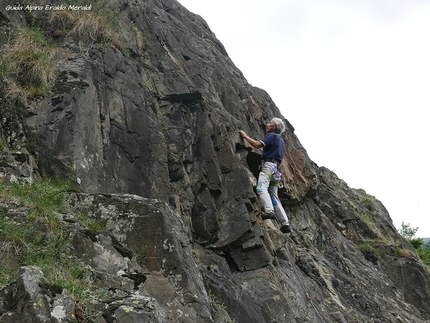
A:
[254,143]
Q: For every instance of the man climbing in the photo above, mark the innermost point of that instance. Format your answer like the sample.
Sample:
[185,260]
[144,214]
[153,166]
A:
[270,174]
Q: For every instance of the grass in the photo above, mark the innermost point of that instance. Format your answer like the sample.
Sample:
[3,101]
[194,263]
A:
[26,62]
[373,246]
[93,28]
[367,245]
[3,145]
[43,197]
[41,239]
[214,299]
[365,217]
[85,27]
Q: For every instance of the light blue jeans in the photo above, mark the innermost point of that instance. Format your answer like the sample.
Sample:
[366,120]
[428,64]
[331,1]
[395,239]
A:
[267,190]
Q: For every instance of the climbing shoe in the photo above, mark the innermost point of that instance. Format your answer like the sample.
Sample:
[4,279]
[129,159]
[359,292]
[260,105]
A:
[286,228]
[268,215]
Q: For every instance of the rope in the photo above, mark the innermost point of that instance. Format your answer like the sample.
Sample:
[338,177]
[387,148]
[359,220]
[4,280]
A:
[302,284]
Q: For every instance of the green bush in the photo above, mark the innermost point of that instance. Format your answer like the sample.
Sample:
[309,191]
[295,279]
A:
[422,249]
[424,253]
[406,231]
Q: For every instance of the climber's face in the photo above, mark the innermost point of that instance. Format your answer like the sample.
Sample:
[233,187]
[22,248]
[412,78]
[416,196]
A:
[270,127]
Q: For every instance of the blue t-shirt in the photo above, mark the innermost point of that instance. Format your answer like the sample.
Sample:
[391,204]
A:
[273,146]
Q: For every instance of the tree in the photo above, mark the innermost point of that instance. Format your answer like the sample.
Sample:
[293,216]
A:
[406,231]
[423,250]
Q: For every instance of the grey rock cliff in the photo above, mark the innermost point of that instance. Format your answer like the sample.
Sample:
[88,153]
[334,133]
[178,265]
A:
[147,125]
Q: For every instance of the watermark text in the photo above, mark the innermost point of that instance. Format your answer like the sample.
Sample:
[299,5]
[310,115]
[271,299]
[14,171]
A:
[47,7]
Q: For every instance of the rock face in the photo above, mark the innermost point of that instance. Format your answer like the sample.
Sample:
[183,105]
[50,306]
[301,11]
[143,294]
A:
[147,124]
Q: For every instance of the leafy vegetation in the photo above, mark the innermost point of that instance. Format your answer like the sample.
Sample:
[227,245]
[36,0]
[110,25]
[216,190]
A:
[423,249]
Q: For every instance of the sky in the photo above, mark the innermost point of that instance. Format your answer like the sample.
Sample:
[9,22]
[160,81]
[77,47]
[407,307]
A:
[352,77]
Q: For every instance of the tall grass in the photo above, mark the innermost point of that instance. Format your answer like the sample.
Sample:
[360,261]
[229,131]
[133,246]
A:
[93,28]
[27,62]
[86,28]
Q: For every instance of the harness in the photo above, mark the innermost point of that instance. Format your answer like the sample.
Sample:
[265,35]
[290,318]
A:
[276,177]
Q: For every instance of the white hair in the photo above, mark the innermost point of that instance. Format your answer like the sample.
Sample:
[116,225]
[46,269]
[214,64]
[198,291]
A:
[280,125]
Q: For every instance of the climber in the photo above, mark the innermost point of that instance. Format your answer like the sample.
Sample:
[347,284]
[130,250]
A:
[270,174]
